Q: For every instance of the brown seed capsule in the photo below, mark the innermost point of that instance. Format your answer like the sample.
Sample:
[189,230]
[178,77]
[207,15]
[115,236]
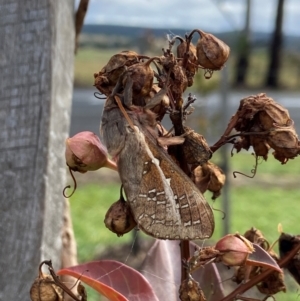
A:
[273,283]
[118,218]
[212,53]
[142,76]
[44,289]
[195,148]
[209,177]
[107,78]
[190,290]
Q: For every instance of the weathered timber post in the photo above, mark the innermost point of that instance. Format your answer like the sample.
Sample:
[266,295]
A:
[36,68]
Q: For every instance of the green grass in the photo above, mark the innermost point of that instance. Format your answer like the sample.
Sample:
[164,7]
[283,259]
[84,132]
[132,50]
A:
[89,60]
[88,208]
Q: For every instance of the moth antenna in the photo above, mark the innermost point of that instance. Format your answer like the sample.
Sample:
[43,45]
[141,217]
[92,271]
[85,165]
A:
[69,186]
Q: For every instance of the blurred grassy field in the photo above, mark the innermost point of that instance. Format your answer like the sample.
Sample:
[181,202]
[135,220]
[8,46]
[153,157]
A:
[89,60]
[272,197]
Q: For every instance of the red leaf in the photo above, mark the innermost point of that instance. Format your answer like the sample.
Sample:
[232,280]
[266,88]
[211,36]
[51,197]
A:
[262,258]
[162,267]
[115,280]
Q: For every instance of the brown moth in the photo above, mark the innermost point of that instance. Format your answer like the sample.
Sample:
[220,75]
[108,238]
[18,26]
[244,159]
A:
[165,203]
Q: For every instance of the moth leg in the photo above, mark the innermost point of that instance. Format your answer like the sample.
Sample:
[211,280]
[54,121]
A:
[119,85]
[127,94]
[158,97]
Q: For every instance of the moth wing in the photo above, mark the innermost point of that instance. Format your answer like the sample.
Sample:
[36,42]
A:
[167,204]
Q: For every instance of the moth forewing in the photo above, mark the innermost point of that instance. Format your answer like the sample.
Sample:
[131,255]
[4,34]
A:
[165,203]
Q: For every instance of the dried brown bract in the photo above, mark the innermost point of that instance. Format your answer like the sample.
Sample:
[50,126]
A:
[48,287]
[209,177]
[273,283]
[192,61]
[159,109]
[118,218]
[44,289]
[190,290]
[107,78]
[212,53]
[195,148]
[265,124]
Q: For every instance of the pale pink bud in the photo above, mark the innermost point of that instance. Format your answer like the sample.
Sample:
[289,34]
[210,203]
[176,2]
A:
[234,249]
[85,152]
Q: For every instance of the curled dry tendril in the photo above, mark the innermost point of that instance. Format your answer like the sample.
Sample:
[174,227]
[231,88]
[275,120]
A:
[69,186]
[253,171]
[219,210]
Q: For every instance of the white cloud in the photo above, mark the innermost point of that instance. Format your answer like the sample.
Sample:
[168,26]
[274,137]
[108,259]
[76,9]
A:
[212,15]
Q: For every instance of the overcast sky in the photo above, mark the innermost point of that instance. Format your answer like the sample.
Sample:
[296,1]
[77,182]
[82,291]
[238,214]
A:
[211,15]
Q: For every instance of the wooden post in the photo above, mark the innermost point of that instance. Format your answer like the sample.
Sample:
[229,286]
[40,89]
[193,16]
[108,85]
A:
[36,68]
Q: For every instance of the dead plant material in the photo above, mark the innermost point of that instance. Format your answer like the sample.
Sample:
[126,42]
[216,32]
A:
[192,61]
[212,53]
[273,283]
[118,218]
[265,124]
[209,177]
[195,148]
[287,243]
[107,78]
[190,290]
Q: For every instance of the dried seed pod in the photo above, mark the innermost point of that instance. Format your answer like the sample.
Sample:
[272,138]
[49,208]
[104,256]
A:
[285,143]
[212,53]
[44,289]
[118,218]
[190,290]
[256,236]
[107,78]
[209,177]
[274,283]
[195,148]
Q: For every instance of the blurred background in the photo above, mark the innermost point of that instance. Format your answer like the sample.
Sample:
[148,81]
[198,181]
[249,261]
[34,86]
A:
[264,37]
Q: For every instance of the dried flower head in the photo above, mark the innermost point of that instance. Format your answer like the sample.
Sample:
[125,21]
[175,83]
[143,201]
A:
[109,75]
[265,124]
[209,176]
